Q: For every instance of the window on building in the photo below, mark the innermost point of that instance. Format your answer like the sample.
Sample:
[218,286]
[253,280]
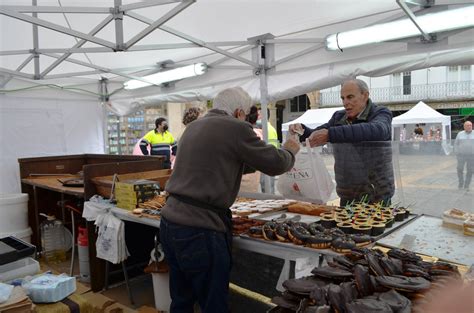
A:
[465,73]
[407,83]
[299,103]
[396,84]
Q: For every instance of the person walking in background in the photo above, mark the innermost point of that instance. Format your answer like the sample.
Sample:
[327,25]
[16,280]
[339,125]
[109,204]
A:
[273,140]
[196,222]
[161,142]
[361,134]
[464,149]
[191,114]
[418,130]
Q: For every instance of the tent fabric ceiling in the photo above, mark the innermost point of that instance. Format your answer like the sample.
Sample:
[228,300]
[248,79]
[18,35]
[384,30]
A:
[208,21]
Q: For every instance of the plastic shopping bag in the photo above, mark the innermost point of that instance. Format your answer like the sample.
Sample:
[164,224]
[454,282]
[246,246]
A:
[308,180]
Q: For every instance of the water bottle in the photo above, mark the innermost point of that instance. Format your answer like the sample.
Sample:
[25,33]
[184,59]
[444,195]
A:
[53,239]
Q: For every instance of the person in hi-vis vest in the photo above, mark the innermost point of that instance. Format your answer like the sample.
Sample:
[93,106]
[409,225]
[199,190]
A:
[161,142]
[273,140]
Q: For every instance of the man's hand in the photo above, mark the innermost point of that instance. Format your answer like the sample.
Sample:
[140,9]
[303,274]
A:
[318,138]
[296,129]
[291,145]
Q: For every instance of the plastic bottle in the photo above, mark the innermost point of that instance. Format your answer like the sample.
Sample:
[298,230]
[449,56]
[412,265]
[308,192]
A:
[53,239]
[83,252]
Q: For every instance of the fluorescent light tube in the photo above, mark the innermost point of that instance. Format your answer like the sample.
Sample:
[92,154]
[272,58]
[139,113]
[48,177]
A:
[167,76]
[430,23]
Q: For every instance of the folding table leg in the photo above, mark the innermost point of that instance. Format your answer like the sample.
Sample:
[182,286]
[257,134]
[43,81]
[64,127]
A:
[124,268]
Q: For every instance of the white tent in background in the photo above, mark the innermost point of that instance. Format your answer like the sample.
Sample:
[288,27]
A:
[421,113]
[312,118]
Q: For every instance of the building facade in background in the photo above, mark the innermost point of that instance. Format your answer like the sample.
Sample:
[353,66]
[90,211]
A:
[449,90]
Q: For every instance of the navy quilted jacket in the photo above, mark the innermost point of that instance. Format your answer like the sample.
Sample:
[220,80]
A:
[362,153]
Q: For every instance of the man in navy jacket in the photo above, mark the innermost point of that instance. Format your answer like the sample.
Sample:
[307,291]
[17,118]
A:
[361,138]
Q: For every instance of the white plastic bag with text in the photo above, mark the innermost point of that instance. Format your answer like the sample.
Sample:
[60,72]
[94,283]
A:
[308,180]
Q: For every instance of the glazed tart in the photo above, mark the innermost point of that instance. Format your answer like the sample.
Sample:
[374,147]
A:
[362,229]
[328,222]
[400,215]
[377,229]
[345,227]
[378,219]
[389,222]
[319,242]
[361,221]
[407,212]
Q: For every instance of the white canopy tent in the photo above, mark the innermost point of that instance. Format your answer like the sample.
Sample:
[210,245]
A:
[421,113]
[312,118]
[82,51]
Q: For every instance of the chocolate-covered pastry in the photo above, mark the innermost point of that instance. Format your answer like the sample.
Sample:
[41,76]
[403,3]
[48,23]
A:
[362,280]
[319,295]
[281,232]
[368,306]
[361,240]
[290,296]
[298,234]
[343,245]
[403,283]
[357,253]
[391,266]
[336,298]
[343,261]
[397,302]
[374,264]
[320,241]
[315,228]
[285,303]
[269,231]
[331,272]
[404,255]
[256,231]
[304,285]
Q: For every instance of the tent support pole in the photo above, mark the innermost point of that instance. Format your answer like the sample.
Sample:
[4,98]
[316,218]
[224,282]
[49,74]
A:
[412,17]
[36,46]
[94,31]
[118,18]
[263,101]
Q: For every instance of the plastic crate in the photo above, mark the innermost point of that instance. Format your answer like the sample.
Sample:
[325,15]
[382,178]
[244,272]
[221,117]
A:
[19,269]
[12,249]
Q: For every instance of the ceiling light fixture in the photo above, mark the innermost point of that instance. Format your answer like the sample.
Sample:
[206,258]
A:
[429,23]
[167,76]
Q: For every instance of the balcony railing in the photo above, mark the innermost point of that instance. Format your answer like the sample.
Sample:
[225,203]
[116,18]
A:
[429,92]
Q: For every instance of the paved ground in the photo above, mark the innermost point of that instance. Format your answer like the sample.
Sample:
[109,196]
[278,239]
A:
[426,183]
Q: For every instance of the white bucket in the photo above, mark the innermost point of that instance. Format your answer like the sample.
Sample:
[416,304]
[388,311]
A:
[13,212]
[24,234]
[161,291]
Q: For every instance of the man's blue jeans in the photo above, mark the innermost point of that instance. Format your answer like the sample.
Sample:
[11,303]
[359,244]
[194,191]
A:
[200,263]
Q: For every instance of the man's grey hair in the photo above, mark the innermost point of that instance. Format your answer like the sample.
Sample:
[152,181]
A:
[232,99]
[359,82]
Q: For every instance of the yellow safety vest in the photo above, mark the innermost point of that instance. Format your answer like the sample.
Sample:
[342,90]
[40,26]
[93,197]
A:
[160,143]
[273,136]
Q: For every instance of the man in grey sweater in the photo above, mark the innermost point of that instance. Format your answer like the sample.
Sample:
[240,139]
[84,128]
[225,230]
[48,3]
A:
[196,222]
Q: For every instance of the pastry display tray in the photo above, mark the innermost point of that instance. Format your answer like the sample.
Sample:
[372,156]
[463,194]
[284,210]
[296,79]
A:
[276,214]
[426,235]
